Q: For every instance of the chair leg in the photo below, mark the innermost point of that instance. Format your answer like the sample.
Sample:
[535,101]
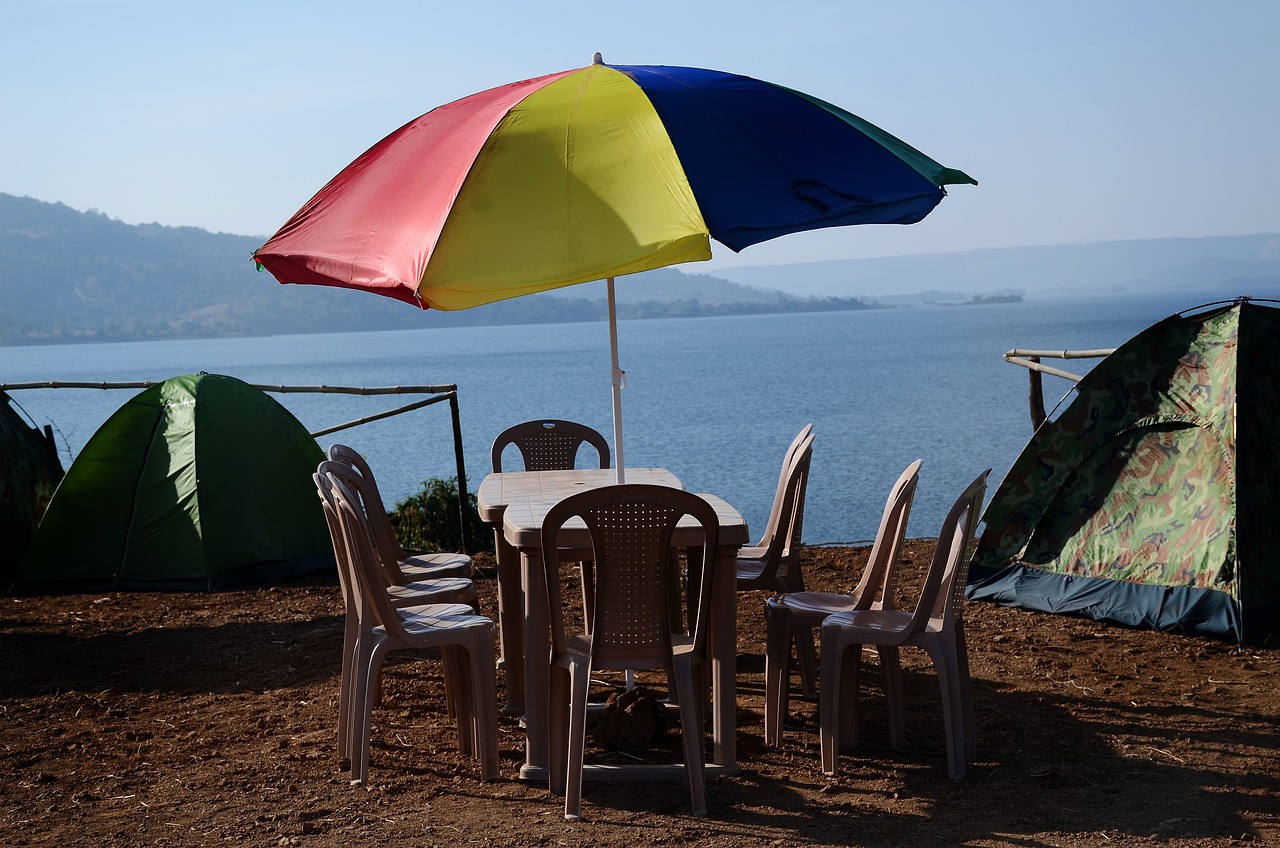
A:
[449,671]
[483,707]
[558,728]
[350,649]
[510,618]
[457,695]
[966,694]
[952,720]
[366,682]
[587,570]
[807,660]
[776,660]
[829,698]
[891,675]
[579,683]
[691,729]
[701,673]
[848,690]
[675,595]
[693,578]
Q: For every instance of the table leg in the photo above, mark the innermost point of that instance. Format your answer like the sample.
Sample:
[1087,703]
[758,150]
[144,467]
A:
[537,665]
[724,659]
[510,622]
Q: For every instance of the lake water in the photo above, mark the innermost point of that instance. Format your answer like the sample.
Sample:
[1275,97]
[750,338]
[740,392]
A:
[715,400]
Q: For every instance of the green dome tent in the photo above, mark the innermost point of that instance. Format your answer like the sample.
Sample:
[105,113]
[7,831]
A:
[199,482]
[1152,499]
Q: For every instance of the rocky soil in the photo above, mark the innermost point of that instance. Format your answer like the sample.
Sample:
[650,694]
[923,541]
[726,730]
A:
[193,719]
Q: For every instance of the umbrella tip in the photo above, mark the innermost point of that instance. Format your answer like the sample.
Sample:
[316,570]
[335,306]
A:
[597,59]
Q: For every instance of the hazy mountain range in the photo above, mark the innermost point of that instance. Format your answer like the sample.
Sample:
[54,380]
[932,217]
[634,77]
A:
[67,275]
[1114,267]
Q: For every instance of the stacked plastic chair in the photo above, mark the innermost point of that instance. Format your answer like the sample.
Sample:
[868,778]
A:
[377,626]
[936,624]
[793,616]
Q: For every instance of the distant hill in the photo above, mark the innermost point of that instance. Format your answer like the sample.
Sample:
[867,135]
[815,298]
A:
[67,276]
[1234,264]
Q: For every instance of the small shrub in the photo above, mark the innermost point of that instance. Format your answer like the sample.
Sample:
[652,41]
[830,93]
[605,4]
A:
[429,520]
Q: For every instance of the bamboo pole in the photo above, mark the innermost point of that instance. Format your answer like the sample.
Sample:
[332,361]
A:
[381,415]
[1045,369]
[1030,359]
[279,389]
[1035,397]
[1063,354]
[464,502]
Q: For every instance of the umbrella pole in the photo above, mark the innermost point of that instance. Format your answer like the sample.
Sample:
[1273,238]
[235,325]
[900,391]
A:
[619,378]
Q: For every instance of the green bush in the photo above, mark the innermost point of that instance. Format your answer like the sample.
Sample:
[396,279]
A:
[429,520]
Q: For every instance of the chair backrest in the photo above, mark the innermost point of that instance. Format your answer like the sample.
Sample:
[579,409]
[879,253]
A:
[881,572]
[631,528]
[944,585]
[367,581]
[786,523]
[351,457]
[548,444]
[352,469]
[324,488]
[782,474]
[950,601]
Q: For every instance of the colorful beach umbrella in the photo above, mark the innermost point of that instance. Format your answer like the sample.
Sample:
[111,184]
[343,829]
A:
[590,174]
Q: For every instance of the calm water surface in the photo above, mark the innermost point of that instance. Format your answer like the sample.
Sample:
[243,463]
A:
[715,400]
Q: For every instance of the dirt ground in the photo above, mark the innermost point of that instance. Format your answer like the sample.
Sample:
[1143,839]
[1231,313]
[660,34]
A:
[190,719]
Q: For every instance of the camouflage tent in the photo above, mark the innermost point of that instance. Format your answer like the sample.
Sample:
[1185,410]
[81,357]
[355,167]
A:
[1152,499]
[199,482]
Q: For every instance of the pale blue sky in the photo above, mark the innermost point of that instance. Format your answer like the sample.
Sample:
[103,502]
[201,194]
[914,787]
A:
[1083,121]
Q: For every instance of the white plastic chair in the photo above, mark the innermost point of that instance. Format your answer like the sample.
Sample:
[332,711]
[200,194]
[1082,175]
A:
[352,629]
[774,563]
[632,624]
[936,624]
[431,590]
[760,549]
[548,444]
[376,627]
[793,616]
[544,444]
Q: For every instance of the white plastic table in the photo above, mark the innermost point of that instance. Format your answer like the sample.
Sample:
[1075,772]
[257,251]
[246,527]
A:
[522,532]
[502,488]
